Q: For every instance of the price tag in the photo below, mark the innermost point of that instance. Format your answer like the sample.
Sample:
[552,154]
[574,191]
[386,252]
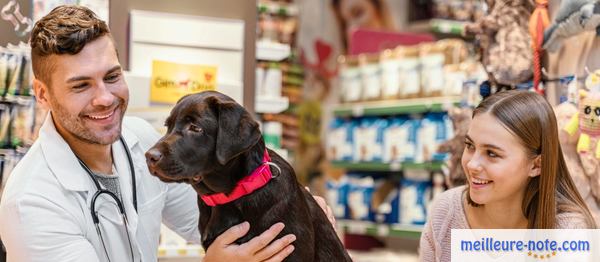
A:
[358,110]
[395,166]
[383,230]
[357,228]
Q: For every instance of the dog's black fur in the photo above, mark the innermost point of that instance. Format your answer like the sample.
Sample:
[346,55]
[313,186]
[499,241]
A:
[212,143]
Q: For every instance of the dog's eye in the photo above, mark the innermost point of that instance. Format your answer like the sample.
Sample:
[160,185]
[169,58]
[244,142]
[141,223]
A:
[195,128]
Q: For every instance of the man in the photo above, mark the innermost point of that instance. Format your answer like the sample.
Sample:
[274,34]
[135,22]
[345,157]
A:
[48,209]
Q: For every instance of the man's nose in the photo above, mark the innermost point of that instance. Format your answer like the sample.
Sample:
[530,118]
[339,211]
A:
[103,96]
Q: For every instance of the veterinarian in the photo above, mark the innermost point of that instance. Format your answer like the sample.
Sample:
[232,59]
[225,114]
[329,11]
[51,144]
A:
[83,192]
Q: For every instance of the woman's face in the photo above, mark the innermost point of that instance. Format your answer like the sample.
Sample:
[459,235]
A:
[495,162]
[360,14]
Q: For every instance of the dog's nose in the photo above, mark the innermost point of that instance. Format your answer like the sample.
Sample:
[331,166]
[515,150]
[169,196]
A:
[153,156]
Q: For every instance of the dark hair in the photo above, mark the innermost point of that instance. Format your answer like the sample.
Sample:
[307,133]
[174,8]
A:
[530,118]
[65,30]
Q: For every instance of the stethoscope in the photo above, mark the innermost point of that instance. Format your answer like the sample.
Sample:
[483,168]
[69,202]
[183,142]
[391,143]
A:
[120,206]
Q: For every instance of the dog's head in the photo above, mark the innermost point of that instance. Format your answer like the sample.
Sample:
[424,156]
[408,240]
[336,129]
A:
[205,131]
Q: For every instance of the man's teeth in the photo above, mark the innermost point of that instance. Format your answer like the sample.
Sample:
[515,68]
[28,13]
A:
[481,181]
[101,117]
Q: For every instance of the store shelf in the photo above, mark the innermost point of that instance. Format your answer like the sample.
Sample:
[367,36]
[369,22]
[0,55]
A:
[378,166]
[272,105]
[447,26]
[271,51]
[396,107]
[379,230]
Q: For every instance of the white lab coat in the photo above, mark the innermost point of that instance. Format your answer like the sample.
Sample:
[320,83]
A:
[45,208]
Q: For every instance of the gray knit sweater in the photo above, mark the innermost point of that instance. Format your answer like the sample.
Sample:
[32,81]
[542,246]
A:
[448,212]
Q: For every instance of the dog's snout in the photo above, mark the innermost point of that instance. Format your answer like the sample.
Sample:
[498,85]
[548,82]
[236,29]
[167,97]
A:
[153,156]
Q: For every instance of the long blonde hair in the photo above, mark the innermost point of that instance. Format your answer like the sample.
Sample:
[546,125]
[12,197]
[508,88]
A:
[531,118]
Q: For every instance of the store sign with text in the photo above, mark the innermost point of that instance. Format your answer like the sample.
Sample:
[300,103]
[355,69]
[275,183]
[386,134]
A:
[171,81]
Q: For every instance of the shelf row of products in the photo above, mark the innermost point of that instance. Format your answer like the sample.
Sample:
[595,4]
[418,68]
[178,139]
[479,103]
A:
[393,203]
[392,139]
[425,70]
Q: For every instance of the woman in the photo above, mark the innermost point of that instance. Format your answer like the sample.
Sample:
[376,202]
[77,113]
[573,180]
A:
[517,177]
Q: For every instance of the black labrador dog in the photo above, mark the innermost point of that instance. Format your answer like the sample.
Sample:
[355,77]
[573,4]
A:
[212,143]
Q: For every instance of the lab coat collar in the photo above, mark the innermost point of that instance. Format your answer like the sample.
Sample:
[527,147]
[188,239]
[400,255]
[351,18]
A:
[63,163]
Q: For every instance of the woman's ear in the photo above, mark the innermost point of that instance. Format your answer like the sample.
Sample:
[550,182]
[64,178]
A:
[41,93]
[536,169]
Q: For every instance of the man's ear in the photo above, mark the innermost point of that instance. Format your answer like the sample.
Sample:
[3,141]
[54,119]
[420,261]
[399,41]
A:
[238,131]
[536,169]
[41,93]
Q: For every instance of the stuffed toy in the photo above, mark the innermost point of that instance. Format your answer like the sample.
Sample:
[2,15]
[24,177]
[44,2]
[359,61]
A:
[587,120]
[504,41]
[583,168]
[461,118]
[572,18]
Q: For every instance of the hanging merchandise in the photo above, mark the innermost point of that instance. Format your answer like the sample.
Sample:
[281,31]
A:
[587,120]
[454,173]
[11,12]
[572,18]
[504,41]
[538,22]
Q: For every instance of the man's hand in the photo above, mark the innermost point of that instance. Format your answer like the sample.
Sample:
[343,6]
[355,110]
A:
[257,249]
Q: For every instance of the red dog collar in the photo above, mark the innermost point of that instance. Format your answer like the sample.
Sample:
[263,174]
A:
[257,179]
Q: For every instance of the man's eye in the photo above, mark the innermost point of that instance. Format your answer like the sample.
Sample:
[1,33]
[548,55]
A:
[195,128]
[112,78]
[81,86]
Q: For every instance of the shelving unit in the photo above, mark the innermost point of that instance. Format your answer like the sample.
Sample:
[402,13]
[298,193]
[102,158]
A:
[378,166]
[379,230]
[396,107]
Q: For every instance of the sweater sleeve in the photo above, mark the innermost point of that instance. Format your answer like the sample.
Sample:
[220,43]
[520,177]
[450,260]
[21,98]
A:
[427,245]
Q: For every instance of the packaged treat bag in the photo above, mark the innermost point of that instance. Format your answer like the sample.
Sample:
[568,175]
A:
[410,74]
[432,61]
[368,140]
[454,78]
[370,71]
[396,144]
[3,69]
[414,199]
[337,197]
[390,75]
[359,198]
[350,79]
[340,140]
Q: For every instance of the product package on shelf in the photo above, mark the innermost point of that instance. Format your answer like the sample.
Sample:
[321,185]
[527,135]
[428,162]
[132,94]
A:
[15,71]
[415,196]
[368,140]
[435,129]
[337,197]
[397,146]
[340,139]
[359,198]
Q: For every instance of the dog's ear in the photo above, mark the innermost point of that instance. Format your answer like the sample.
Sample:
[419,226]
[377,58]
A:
[238,131]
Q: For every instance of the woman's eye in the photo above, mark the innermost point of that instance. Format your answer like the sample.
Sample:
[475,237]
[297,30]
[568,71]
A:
[492,154]
[195,128]
[468,145]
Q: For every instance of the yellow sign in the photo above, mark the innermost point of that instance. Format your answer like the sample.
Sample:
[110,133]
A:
[171,81]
